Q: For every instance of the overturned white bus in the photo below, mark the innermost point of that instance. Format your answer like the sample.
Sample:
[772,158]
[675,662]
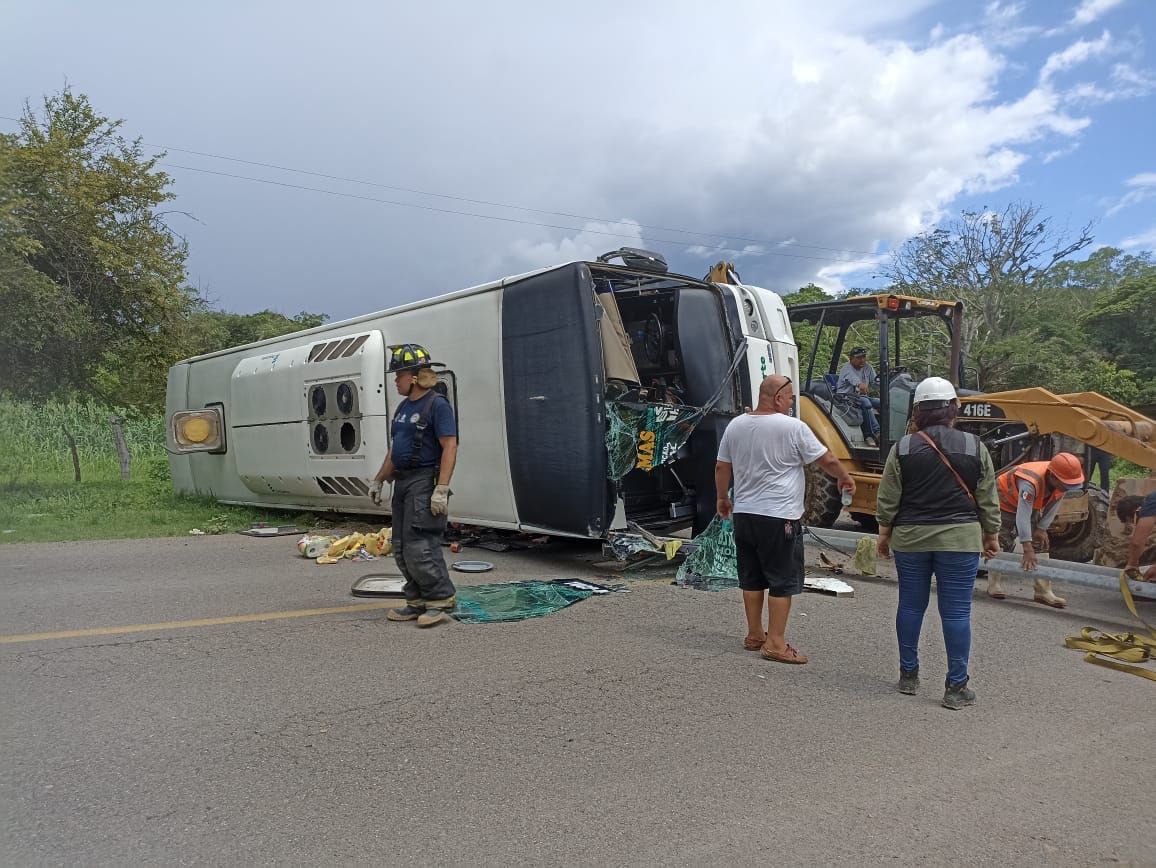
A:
[543,370]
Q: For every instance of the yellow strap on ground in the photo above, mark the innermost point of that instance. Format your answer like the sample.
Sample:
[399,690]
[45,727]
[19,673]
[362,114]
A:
[1119,651]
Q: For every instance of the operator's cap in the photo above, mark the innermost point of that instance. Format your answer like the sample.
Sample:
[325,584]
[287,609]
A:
[857,351]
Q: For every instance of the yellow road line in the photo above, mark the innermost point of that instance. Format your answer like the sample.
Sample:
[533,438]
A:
[197,622]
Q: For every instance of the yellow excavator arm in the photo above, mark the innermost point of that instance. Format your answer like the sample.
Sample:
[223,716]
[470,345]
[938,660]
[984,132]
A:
[723,272]
[1087,416]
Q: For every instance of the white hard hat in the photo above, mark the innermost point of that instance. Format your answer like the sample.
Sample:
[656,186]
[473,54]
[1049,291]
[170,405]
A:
[935,389]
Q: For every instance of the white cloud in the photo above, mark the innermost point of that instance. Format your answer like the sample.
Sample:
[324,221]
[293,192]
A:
[1002,25]
[1143,241]
[1125,82]
[857,155]
[833,122]
[842,276]
[1059,153]
[1091,10]
[1076,53]
[1143,188]
[589,243]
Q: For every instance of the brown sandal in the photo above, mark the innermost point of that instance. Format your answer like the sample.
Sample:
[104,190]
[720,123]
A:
[791,655]
[750,644]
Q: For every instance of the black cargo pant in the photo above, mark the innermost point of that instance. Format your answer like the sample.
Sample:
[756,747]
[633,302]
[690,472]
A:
[417,541]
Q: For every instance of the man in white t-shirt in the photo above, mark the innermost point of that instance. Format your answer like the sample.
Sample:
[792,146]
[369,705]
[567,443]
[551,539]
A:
[764,452]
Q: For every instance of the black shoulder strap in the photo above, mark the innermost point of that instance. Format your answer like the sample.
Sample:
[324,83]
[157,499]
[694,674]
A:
[947,463]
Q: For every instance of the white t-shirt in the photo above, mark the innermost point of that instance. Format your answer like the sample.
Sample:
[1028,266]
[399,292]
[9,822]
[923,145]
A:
[767,455]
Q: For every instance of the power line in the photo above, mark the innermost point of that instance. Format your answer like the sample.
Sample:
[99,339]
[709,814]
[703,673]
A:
[489,203]
[435,209]
[493,204]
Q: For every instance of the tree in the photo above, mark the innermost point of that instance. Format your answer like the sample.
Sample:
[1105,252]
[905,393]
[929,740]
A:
[996,264]
[1123,323]
[92,280]
[211,330]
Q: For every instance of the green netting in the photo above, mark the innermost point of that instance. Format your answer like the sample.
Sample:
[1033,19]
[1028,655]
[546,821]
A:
[645,436]
[713,565]
[514,601]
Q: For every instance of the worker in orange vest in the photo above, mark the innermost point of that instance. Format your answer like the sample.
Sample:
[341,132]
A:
[1029,498]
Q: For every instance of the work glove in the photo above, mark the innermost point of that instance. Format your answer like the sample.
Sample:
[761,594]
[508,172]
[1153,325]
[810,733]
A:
[439,504]
[375,492]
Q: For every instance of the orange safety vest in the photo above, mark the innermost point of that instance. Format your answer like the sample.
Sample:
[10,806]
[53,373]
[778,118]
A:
[1033,472]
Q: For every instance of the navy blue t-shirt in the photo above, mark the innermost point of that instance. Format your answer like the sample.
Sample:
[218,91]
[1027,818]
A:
[1148,507]
[440,421]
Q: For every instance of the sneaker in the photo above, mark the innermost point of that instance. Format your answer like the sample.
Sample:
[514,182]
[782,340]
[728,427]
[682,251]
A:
[909,681]
[432,616]
[405,613]
[958,696]
[872,440]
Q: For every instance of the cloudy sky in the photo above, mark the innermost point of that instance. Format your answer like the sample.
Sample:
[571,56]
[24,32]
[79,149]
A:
[803,139]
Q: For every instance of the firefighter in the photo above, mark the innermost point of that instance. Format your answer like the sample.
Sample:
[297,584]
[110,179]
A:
[420,463]
[1029,498]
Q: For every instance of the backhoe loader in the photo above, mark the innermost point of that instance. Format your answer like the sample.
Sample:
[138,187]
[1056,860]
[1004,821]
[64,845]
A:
[1016,426]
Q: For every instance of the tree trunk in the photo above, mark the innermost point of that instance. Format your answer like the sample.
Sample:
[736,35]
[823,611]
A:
[72,448]
[122,453]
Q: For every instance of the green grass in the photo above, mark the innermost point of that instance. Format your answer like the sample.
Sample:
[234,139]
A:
[41,502]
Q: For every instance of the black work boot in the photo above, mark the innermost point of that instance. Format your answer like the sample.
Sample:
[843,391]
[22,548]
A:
[958,697]
[909,681]
[408,612]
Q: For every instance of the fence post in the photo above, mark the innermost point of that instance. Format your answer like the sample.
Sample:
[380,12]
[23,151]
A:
[122,453]
[72,448]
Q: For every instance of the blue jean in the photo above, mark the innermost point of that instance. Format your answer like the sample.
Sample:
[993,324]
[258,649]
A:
[870,423]
[954,582]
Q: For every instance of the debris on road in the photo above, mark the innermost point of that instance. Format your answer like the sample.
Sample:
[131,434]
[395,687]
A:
[262,530]
[515,601]
[354,546]
[379,585]
[864,559]
[472,566]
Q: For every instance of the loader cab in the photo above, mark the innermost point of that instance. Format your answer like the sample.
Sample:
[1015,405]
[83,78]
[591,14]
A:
[901,352]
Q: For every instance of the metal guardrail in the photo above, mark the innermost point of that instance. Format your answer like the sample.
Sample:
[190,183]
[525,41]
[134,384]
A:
[1008,564]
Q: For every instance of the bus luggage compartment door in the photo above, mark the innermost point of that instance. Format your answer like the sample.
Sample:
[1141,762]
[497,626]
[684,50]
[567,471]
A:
[311,420]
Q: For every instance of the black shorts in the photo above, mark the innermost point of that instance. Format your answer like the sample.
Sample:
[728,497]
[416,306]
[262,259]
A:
[770,554]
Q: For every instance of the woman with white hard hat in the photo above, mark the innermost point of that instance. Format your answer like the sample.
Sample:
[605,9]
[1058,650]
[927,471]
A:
[938,513]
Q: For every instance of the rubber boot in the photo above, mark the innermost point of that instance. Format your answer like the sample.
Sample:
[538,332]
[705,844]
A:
[1043,588]
[995,585]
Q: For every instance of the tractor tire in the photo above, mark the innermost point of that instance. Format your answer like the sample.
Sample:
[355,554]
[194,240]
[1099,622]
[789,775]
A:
[823,501]
[1080,543]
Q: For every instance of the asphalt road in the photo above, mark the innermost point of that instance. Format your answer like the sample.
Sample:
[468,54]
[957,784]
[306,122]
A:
[626,729]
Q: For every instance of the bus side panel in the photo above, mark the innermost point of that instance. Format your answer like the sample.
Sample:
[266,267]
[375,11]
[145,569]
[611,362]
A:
[555,419]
